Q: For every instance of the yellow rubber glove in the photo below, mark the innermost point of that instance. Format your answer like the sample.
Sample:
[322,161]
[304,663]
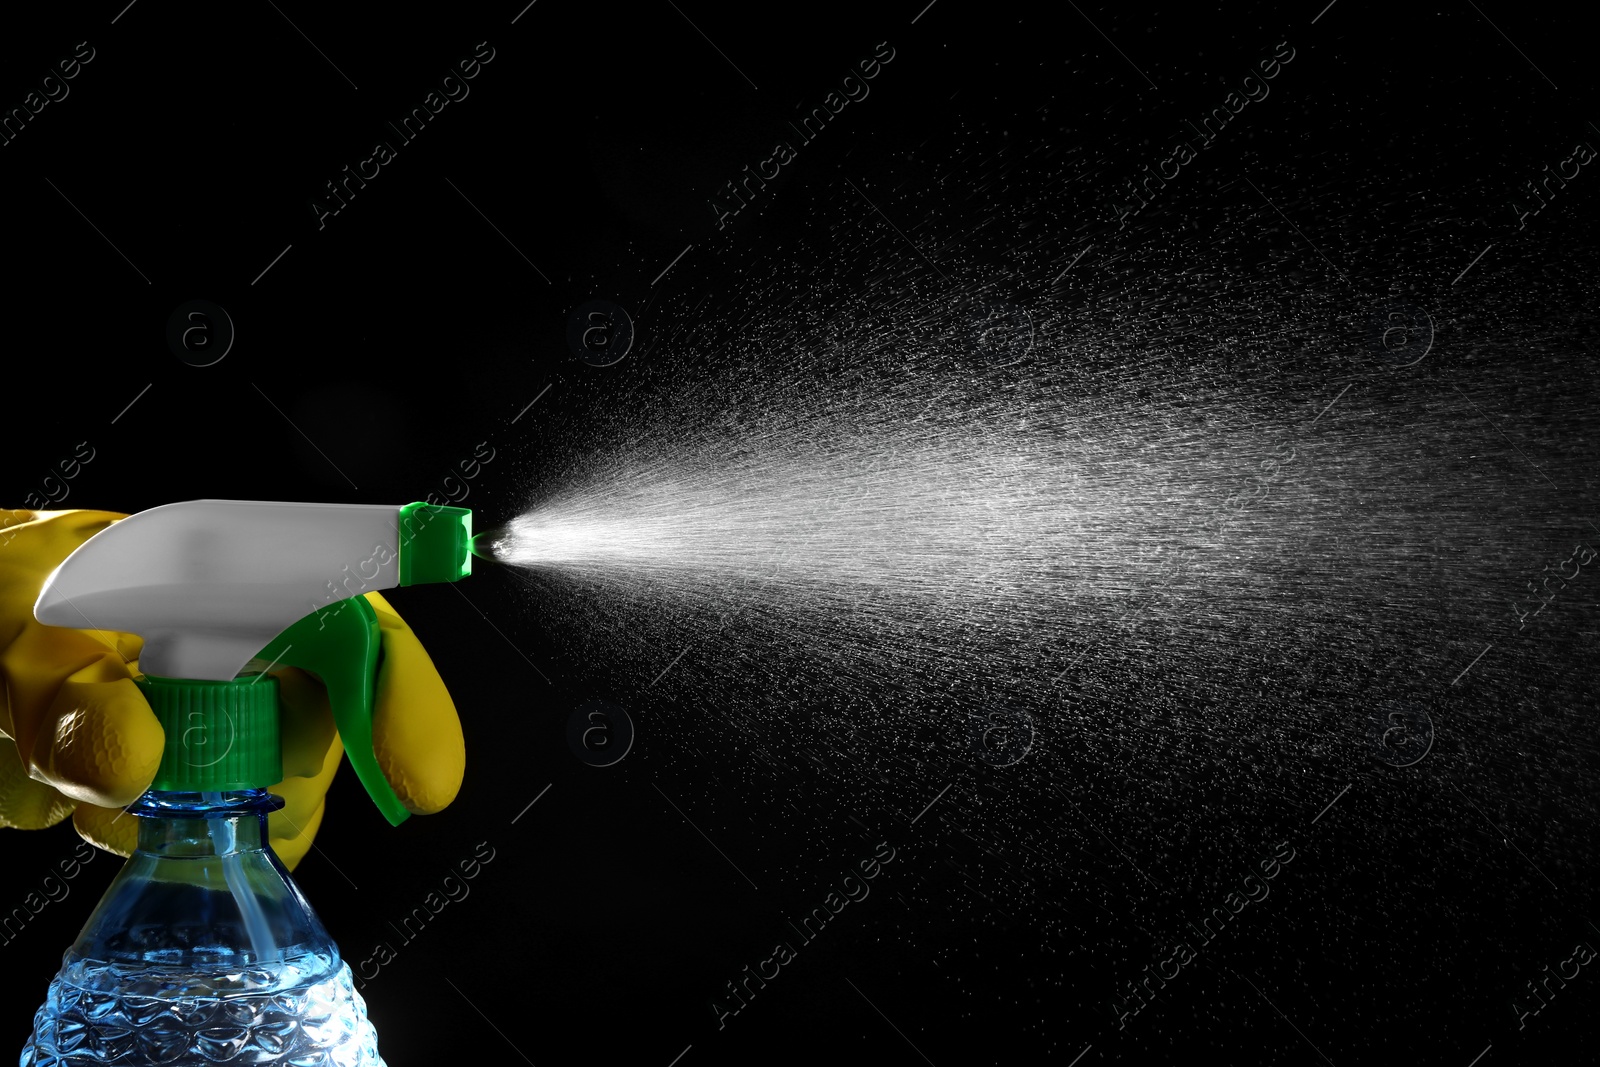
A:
[77,737]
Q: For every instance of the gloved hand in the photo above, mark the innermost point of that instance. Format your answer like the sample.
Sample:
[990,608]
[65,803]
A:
[78,738]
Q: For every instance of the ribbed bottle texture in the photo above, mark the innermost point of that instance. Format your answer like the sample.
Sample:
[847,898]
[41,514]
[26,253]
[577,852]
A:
[203,951]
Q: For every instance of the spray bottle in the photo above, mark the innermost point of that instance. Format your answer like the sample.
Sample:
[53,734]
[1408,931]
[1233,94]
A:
[203,950]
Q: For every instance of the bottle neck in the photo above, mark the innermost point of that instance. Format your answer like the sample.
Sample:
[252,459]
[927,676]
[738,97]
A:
[204,900]
[191,825]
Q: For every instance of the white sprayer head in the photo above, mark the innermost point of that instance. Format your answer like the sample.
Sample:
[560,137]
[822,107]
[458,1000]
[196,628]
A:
[208,583]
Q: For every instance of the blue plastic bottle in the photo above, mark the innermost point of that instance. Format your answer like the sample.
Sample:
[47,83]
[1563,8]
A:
[202,951]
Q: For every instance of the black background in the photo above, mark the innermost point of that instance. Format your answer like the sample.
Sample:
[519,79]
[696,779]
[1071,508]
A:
[410,328]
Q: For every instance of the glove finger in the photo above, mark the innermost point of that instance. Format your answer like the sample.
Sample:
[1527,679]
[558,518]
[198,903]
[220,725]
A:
[111,829]
[309,734]
[290,829]
[24,803]
[33,658]
[99,742]
[35,663]
[416,733]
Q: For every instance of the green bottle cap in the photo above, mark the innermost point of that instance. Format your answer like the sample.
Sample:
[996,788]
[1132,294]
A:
[220,735]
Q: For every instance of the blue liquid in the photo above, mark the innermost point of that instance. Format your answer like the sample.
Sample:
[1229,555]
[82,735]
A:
[203,951]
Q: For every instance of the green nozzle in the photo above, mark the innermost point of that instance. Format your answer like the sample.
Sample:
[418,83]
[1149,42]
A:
[435,543]
[483,544]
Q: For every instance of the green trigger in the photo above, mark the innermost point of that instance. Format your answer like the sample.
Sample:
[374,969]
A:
[341,644]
